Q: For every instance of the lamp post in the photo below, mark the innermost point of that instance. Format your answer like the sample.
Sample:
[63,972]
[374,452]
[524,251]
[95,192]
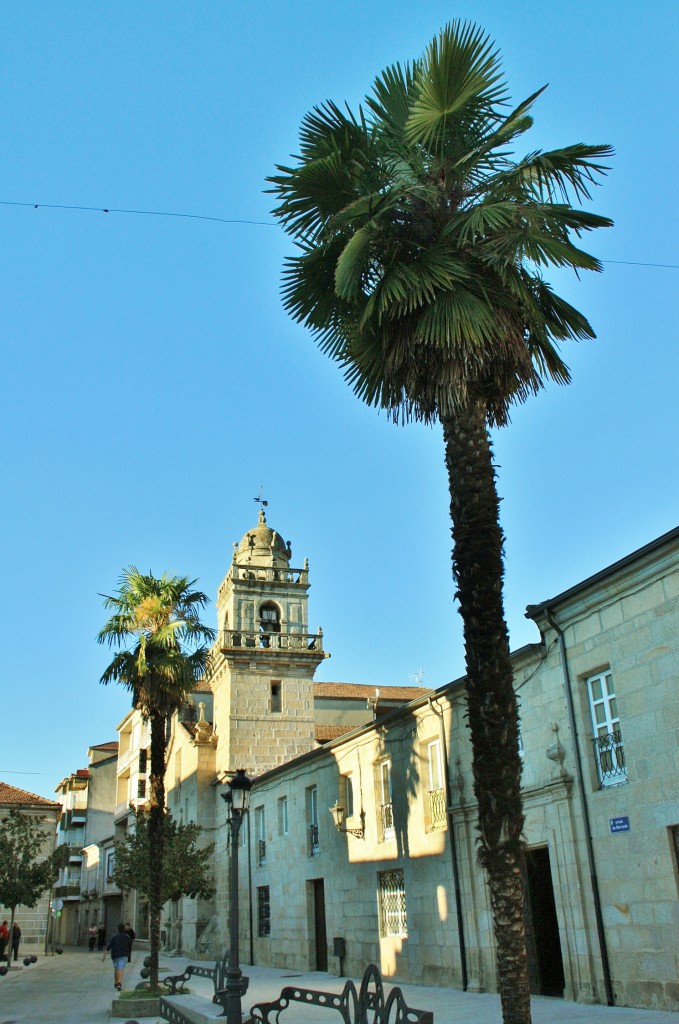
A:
[237,802]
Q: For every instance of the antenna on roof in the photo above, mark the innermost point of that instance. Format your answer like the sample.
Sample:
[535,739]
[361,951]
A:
[418,676]
[260,500]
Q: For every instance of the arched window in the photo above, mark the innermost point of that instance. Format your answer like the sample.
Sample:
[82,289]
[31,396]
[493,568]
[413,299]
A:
[269,622]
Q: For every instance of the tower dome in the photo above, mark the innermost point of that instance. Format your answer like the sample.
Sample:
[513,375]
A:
[263,546]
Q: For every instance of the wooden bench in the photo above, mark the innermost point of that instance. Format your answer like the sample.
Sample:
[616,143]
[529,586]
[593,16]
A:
[352,1006]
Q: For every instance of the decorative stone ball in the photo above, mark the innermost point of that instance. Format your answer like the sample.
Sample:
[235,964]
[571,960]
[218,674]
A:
[34,958]
[3,970]
[27,961]
[59,950]
[147,961]
[145,972]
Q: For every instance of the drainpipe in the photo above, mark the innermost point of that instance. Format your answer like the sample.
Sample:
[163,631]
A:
[594,881]
[453,849]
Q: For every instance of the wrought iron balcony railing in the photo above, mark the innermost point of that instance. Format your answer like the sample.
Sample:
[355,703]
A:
[387,816]
[437,808]
[314,845]
[261,852]
[609,756]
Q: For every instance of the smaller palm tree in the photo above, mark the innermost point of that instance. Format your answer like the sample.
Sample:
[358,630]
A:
[163,649]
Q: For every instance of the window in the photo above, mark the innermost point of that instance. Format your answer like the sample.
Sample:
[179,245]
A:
[674,835]
[283,816]
[263,911]
[347,794]
[437,795]
[143,759]
[386,806]
[608,749]
[141,789]
[393,920]
[312,820]
[269,623]
[260,835]
[110,864]
[276,699]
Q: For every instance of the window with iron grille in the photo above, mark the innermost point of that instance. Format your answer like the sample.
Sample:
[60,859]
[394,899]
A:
[393,919]
[141,789]
[143,758]
[263,911]
[609,754]
[437,796]
[312,820]
[386,806]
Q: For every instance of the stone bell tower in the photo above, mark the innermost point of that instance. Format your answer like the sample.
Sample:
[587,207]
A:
[265,656]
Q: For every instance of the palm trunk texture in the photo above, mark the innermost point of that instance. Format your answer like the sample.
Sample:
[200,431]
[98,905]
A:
[156,839]
[491,701]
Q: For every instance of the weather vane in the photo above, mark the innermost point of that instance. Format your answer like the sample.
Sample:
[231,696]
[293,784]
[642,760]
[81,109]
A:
[260,500]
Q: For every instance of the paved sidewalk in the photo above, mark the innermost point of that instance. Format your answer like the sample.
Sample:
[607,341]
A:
[77,988]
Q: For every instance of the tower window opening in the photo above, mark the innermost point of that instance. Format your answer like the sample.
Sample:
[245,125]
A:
[276,700]
[269,622]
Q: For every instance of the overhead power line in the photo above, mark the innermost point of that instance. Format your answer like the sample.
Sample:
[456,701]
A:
[237,220]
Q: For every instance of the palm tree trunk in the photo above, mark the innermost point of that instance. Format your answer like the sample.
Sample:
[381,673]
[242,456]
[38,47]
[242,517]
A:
[156,838]
[478,572]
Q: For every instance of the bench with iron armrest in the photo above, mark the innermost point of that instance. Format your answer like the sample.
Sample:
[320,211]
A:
[176,983]
[352,1006]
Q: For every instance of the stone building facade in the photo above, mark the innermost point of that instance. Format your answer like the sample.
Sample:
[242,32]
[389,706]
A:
[87,799]
[398,883]
[33,921]
[400,886]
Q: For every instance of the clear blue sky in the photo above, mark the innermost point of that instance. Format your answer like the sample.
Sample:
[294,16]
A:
[151,380]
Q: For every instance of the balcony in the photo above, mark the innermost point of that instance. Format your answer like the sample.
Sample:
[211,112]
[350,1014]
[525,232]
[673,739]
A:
[437,808]
[314,845]
[241,639]
[609,756]
[266,574]
[68,892]
[387,820]
[261,852]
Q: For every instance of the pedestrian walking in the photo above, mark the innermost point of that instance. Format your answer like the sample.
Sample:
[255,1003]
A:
[16,939]
[132,936]
[119,947]
[4,939]
[101,938]
[92,936]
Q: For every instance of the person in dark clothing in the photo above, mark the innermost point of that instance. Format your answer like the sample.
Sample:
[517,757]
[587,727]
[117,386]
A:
[16,939]
[101,938]
[132,936]
[119,947]
[4,939]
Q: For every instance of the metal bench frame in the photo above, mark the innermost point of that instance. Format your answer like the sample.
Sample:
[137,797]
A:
[368,1006]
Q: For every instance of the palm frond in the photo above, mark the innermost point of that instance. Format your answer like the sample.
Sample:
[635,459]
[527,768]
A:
[459,76]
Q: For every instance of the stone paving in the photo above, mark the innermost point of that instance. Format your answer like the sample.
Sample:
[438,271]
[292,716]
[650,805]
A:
[77,988]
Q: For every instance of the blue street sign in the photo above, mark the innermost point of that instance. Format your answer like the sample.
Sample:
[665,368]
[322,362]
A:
[619,824]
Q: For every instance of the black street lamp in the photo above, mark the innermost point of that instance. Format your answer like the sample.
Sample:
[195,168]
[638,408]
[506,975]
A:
[237,802]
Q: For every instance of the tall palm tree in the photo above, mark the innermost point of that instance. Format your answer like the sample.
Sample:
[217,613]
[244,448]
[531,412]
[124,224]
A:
[421,243]
[162,651]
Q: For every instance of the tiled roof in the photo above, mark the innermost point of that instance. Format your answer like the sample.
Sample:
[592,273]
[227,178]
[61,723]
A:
[111,745]
[13,797]
[202,686]
[331,732]
[403,694]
